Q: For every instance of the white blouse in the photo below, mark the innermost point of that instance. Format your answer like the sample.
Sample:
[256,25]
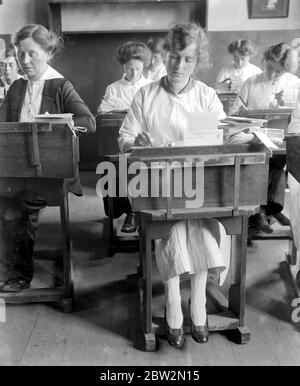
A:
[163,114]
[119,95]
[238,75]
[33,95]
[258,92]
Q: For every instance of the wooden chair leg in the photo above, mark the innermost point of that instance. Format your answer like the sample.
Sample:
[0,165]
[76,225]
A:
[66,247]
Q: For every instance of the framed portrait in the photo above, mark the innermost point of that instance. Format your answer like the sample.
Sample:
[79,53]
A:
[263,9]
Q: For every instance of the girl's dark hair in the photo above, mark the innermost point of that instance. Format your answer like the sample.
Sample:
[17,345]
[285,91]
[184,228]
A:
[134,50]
[284,56]
[243,47]
[183,35]
[48,40]
[156,45]
[10,51]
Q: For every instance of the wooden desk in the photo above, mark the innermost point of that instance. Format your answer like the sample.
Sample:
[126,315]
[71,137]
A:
[277,118]
[40,158]
[293,159]
[235,179]
[104,141]
[108,126]
[107,131]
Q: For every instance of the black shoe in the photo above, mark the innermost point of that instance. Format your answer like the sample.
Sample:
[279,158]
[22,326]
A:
[259,222]
[15,285]
[130,223]
[175,336]
[200,333]
[282,219]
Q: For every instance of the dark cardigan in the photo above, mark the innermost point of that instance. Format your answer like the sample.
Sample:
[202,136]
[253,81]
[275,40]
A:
[59,96]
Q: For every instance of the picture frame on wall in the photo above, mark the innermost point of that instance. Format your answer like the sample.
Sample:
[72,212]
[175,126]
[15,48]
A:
[263,9]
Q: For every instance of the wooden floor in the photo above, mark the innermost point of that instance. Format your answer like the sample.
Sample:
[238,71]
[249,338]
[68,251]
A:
[97,332]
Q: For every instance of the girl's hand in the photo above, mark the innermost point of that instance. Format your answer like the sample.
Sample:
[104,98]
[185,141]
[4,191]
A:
[241,138]
[143,140]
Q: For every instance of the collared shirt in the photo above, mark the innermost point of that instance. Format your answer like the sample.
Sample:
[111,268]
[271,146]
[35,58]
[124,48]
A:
[238,75]
[258,92]
[33,96]
[163,114]
[119,95]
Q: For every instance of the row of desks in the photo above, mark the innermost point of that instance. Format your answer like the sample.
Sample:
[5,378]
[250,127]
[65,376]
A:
[43,154]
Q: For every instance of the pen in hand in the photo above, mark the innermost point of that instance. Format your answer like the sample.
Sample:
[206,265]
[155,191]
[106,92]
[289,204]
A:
[244,104]
[143,139]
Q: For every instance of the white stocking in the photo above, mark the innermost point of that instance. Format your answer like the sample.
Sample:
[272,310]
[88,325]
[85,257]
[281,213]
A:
[198,298]
[173,303]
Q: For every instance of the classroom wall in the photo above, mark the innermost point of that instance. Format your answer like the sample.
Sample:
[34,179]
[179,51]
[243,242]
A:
[124,16]
[14,13]
[232,15]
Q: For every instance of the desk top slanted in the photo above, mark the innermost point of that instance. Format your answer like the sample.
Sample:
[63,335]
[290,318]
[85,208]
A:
[277,118]
[42,150]
[233,176]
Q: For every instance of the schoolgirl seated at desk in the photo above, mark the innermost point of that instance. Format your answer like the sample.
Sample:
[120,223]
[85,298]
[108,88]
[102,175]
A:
[43,89]
[241,69]
[133,56]
[275,87]
[158,116]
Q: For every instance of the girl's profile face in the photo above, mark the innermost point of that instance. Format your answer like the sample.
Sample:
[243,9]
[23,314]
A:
[240,61]
[133,70]
[180,65]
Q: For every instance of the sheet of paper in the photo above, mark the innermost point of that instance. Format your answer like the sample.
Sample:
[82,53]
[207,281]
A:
[199,122]
[202,130]
[265,140]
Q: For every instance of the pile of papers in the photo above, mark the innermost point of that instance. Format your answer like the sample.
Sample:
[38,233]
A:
[112,104]
[54,118]
[66,118]
[244,130]
[202,130]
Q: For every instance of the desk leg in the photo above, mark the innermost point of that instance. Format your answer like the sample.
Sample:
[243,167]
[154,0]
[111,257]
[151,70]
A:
[237,291]
[147,274]
[112,236]
[145,301]
[67,258]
